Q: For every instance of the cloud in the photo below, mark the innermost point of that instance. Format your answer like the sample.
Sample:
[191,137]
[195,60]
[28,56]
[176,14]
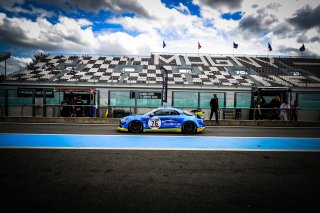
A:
[139,34]
[120,6]
[259,23]
[295,51]
[11,34]
[39,12]
[183,9]
[283,30]
[302,38]
[309,36]
[315,39]
[306,18]
[15,63]
[218,4]
[273,6]
[7,4]
[41,34]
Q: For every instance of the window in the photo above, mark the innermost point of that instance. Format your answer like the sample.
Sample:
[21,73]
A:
[56,100]
[185,99]
[205,99]
[161,112]
[309,101]
[174,112]
[243,99]
[165,112]
[149,102]
[2,97]
[14,100]
[121,99]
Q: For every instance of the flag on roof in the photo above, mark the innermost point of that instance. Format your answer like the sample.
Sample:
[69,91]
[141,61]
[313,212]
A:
[163,44]
[302,48]
[235,46]
[269,47]
[199,46]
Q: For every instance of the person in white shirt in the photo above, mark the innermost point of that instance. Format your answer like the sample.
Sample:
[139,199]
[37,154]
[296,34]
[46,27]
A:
[284,108]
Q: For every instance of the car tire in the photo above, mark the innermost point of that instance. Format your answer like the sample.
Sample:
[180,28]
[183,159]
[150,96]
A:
[189,127]
[135,127]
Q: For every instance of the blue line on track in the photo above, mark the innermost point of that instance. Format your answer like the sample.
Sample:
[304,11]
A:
[157,142]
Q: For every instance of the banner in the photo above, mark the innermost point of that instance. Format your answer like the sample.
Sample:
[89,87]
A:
[145,95]
[28,92]
[164,84]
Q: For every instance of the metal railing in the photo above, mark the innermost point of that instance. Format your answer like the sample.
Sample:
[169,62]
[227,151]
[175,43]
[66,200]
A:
[51,110]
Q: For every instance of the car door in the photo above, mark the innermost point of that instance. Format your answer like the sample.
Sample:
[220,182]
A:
[158,118]
[174,119]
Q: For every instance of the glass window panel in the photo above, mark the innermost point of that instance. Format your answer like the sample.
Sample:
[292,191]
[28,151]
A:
[13,100]
[2,94]
[205,99]
[243,100]
[149,102]
[185,99]
[121,99]
[309,101]
[56,100]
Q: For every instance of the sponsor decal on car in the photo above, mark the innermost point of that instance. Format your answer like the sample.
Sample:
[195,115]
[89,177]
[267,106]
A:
[170,123]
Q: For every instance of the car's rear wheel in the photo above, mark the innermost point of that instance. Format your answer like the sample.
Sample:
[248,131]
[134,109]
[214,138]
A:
[189,127]
[135,127]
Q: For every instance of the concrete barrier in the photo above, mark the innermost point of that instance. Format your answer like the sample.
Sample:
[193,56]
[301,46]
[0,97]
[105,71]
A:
[88,120]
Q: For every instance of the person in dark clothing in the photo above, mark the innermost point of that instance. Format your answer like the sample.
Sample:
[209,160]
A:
[294,110]
[73,107]
[78,107]
[260,101]
[275,104]
[65,108]
[214,104]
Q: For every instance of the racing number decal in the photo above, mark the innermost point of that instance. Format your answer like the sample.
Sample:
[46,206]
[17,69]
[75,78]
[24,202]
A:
[154,123]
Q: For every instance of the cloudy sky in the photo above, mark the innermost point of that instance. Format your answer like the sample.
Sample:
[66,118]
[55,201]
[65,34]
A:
[138,27]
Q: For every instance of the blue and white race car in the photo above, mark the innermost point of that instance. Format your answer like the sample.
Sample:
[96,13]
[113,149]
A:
[163,120]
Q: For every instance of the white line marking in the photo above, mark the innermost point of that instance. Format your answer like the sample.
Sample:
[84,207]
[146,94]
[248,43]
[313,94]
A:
[142,135]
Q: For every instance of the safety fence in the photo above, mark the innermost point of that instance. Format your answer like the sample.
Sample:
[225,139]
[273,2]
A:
[33,110]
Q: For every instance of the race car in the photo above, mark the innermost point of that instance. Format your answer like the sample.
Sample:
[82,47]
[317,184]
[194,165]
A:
[164,119]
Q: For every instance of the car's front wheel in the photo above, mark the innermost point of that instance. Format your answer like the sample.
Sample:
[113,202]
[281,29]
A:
[189,127]
[135,127]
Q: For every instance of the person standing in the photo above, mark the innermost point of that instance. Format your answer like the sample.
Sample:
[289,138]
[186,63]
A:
[258,108]
[284,108]
[214,104]
[275,104]
[294,110]
[65,108]
[78,107]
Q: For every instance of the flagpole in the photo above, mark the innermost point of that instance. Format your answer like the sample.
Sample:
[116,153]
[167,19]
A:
[233,48]
[198,48]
